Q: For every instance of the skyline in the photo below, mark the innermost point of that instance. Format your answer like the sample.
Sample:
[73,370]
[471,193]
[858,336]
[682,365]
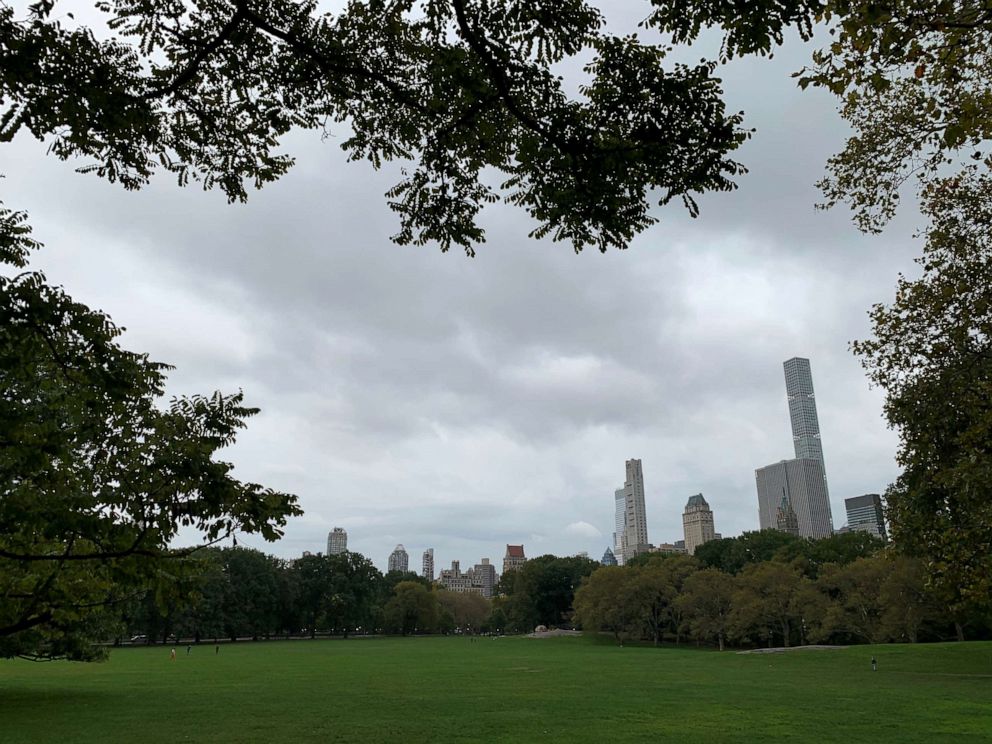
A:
[807,445]
[415,397]
[808,451]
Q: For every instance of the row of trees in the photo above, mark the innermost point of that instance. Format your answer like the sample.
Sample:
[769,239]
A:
[772,588]
[871,600]
[760,588]
[236,593]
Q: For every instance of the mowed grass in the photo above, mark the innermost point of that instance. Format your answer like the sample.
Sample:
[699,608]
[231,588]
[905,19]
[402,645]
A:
[505,690]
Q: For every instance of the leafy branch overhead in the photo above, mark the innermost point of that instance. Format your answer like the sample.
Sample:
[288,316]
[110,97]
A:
[914,79]
[457,87]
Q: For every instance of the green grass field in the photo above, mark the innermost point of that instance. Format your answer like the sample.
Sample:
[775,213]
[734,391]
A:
[506,690]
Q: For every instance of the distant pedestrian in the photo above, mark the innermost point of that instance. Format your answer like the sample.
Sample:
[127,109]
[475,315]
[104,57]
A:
[188,649]
[874,664]
[216,649]
[172,655]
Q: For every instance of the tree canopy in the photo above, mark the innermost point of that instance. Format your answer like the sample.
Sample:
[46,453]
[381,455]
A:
[459,88]
[914,78]
[931,352]
[205,89]
[96,478]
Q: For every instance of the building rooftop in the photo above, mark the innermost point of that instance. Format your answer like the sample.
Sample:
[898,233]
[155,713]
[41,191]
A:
[696,500]
[515,551]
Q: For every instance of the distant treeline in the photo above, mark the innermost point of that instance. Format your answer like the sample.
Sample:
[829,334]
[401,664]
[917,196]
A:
[762,588]
[241,593]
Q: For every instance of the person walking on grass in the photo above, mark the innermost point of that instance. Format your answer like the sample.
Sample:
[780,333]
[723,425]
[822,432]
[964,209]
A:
[874,664]
[172,655]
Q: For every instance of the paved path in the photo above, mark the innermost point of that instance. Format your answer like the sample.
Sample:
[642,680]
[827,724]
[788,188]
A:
[781,649]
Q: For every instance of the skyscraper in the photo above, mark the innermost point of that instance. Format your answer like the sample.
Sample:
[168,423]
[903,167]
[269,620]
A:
[632,532]
[337,541]
[801,485]
[802,409]
[619,519]
[865,513]
[697,523]
[399,560]
[428,564]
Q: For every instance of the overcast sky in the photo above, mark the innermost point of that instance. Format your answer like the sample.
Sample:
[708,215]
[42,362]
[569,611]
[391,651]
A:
[439,401]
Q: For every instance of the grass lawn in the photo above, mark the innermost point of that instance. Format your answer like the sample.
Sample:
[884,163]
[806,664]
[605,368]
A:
[506,690]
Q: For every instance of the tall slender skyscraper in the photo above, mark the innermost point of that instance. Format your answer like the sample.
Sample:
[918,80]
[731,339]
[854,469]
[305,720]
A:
[632,532]
[619,518]
[799,485]
[802,409]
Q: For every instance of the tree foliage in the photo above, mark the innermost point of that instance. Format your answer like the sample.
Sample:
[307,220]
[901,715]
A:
[465,610]
[413,608]
[457,88]
[732,554]
[914,78]
[931,352]
[96,479]
[707,602]
[603,602]
[542,590]
[765,604]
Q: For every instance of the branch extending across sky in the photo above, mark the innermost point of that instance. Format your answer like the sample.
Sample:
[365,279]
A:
[457,87]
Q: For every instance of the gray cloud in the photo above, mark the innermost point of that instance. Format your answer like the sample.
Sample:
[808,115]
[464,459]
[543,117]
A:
[433,400]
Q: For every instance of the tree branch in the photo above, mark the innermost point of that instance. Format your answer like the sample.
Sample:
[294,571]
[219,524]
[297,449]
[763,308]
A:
[200,57]
[26,623]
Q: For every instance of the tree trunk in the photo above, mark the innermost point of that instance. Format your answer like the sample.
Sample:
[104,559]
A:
[785,633]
